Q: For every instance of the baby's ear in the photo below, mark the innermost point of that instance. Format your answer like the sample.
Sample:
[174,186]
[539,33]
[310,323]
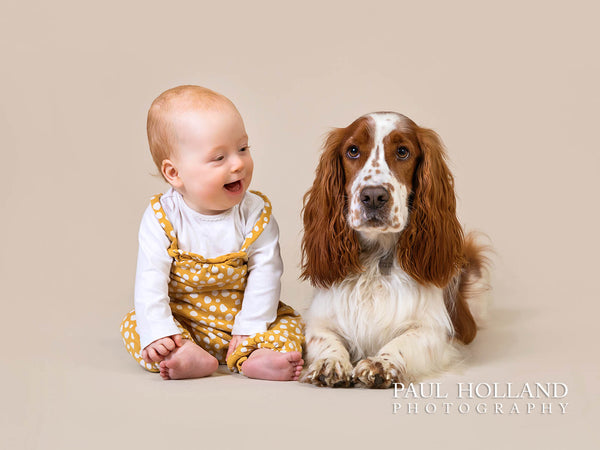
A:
[170,173]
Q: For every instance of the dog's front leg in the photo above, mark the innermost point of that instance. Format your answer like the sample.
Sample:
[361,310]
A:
[327,358]
[416,353]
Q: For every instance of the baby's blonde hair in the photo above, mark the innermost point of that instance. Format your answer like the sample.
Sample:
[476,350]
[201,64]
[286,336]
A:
[160,125]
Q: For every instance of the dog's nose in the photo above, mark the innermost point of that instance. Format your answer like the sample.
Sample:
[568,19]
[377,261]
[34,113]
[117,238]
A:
[374,197]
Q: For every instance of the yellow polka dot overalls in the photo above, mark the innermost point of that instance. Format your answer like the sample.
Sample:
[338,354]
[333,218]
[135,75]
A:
[207,294]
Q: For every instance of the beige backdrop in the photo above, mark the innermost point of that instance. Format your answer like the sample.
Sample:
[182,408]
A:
[512,88]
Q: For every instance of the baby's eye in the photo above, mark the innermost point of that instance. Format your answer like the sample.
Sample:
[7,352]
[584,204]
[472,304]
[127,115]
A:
[245,149]
[219,158]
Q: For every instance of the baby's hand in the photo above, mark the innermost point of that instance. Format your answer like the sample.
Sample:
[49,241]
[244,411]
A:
[236,339]
[161,348]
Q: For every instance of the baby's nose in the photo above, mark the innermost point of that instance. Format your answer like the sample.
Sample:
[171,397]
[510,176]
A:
[237,164]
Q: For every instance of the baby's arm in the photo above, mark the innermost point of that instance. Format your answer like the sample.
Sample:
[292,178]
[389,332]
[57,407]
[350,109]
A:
[261,295]
[152,310]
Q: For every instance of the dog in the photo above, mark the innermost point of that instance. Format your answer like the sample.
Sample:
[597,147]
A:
[397,280]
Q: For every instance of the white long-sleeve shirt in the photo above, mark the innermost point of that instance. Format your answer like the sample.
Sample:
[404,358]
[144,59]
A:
[209,236]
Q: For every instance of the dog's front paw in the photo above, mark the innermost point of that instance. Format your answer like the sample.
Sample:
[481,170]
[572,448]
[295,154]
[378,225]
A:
[330,372]
[376,372]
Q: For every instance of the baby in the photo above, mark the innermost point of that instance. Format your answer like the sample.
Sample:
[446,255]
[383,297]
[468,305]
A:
[208,272]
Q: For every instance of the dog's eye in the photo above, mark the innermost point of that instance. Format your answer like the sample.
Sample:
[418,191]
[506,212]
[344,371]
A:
[402,153]
[353,152]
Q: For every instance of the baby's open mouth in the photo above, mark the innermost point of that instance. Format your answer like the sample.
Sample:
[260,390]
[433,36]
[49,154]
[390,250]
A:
[234,187]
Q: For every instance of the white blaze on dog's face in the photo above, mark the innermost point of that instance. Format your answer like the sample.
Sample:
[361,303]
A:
[380,152]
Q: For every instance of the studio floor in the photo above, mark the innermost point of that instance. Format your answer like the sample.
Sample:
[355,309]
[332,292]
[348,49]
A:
[90,394]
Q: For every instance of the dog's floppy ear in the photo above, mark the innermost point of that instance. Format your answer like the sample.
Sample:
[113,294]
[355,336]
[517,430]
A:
[330,248]
[430,247]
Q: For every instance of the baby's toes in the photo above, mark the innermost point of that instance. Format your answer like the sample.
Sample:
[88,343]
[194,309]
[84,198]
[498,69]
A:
[294,357]
[164,370]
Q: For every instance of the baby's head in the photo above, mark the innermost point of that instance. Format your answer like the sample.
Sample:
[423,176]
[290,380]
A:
[199,144]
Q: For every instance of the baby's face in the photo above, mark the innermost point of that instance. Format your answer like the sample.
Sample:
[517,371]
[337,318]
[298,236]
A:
[212,159]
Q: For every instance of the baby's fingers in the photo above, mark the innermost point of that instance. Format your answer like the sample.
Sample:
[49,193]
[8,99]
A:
[153,355]
[162,348]
[177,339]
[232,345]
[168,344]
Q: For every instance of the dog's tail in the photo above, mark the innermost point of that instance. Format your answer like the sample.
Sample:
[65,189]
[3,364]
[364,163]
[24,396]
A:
[467,296]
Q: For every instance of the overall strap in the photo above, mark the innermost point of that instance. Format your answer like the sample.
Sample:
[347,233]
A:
[159,213]
[260,224]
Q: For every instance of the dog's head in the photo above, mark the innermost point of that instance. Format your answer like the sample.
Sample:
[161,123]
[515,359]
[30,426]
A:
[382,176]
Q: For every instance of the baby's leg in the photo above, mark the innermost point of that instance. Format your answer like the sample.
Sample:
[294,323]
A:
[187,361]
[275,354]
[131,339]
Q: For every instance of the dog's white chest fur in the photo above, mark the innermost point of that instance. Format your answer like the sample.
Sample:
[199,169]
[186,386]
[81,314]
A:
[370,309]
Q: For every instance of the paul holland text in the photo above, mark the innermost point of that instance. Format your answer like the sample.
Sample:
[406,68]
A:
[480,398]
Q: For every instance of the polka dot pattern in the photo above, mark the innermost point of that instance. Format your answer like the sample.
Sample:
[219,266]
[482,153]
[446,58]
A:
[206,295]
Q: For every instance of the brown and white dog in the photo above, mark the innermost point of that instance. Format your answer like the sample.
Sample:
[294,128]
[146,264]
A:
[397,281]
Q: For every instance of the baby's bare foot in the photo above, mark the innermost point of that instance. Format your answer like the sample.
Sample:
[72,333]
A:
[188,361]
[267,364]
